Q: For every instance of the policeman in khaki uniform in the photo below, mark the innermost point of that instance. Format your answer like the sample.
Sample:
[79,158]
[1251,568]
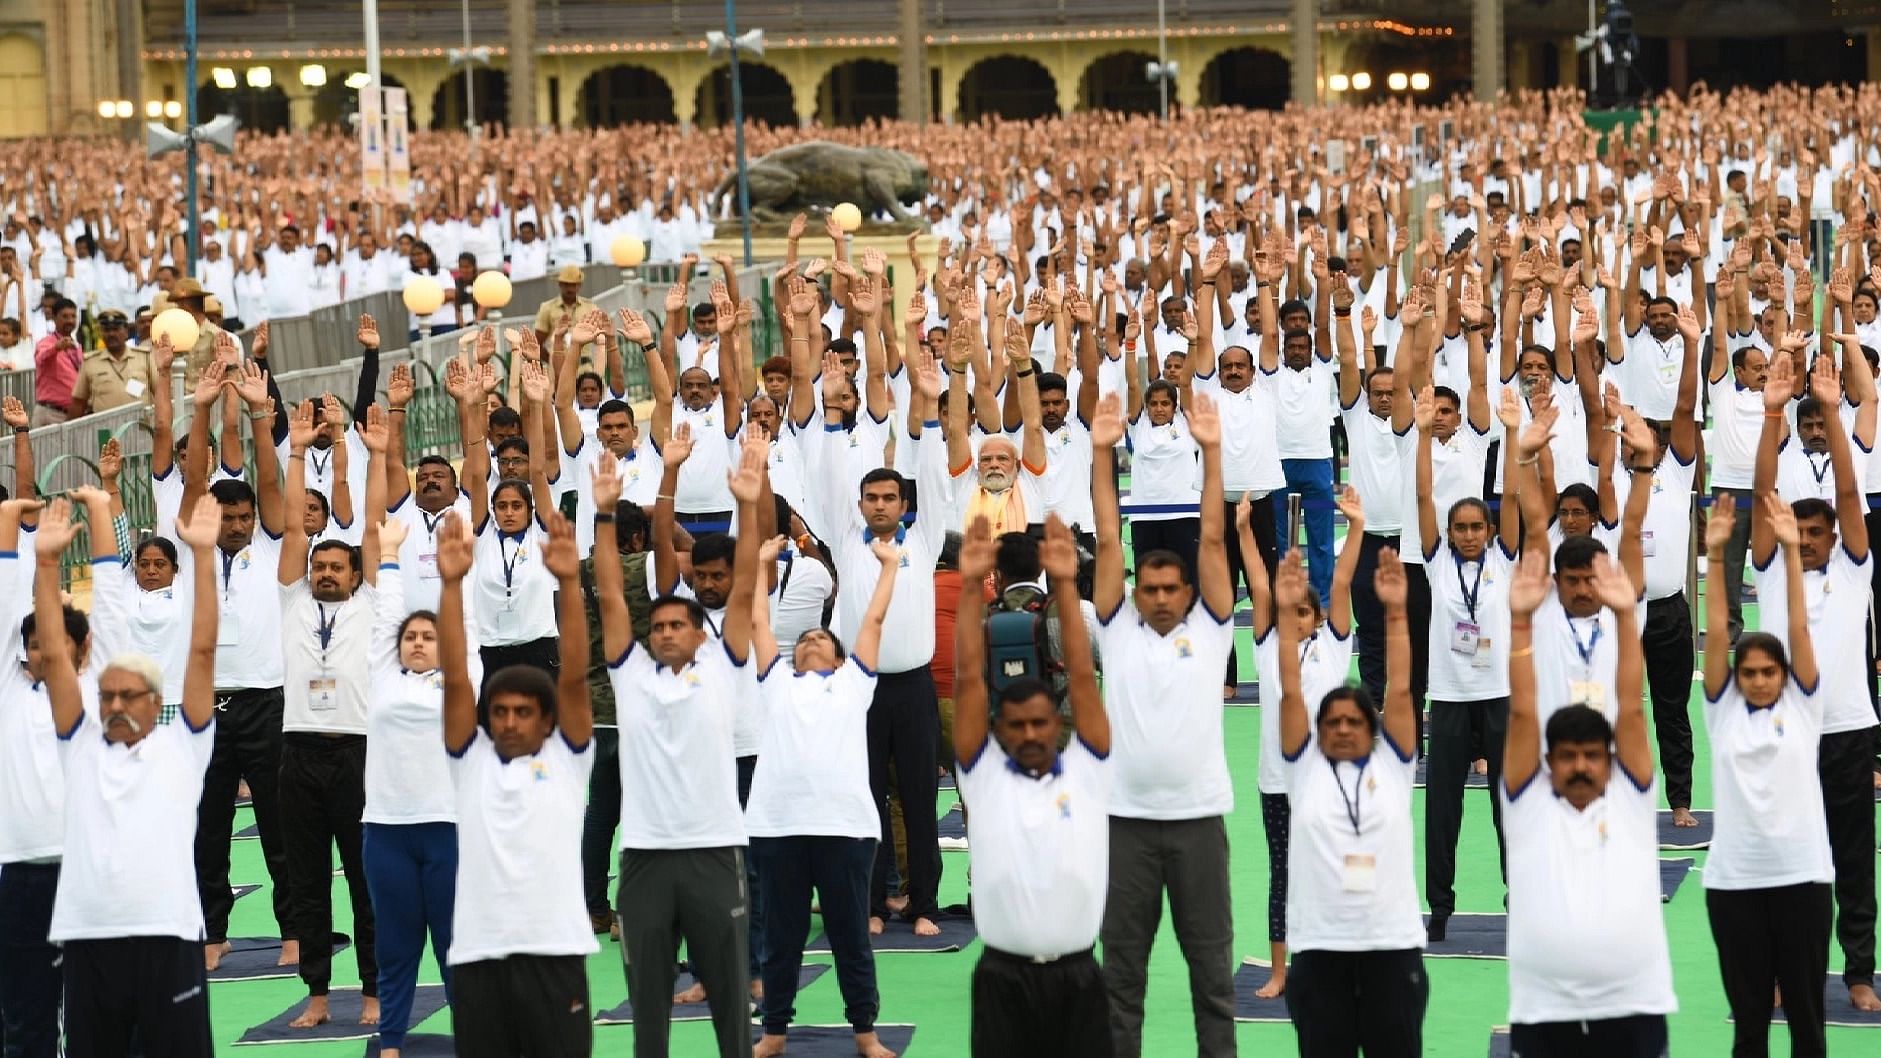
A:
[187,294]
[115,375]
[569,305]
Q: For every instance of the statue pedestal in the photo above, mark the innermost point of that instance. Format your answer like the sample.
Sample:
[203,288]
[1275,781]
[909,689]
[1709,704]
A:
[810,247]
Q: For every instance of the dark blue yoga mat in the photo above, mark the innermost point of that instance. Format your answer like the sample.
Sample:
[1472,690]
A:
[1671,875]
[1472,937]
[953,824]
[418,1045]
[898,936]
[624,1013]
[255,958]
[1837,1010]
[344,1003]
[1248,978]
[837,1041]
[1685,839]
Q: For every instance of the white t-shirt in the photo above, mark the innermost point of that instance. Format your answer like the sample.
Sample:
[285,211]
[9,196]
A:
[325,687]
[1065,487]
[1648,377]
[1377,468]
[1771,830]
[812,776]
[408,772]
[1040,855]
[1456,473]
[1325,661]
[248,638]
[130,838]
[418,555]
[289,281]
[702,487]
[1665,535]
[1576,659]
[1731,442]
[519,851]
[678,767]
[1586,931]
[1303,401]
[1802,474]
[1469,623]
[1836,597]
[803,586]
[1250,444]
[1350,885]
[514,588]
[1164,468]
[1164,699]
[639,472]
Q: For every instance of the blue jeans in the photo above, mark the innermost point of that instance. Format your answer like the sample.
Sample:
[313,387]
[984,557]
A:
[31,983]
[838,869]
[411,872]
[1312,480]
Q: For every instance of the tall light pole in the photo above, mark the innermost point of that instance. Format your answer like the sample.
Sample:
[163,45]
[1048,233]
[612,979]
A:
[730,43]
[1162,62]
[370,10]
[189,122]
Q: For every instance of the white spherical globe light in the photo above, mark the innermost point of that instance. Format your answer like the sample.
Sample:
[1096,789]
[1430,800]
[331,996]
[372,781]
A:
[848,216]
[491,289]
[627,251]
[423,295]
[178,326]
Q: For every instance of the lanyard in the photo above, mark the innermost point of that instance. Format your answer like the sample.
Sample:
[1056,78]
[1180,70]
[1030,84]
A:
[1820,470]
[228,561]
[1586,651]
[320,469]
[431,522]
[1358,792]
[1473,591]
[324,628]
[509,560]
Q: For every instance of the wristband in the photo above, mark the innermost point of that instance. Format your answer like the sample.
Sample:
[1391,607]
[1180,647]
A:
[663,496]
[1519,626]
[1027,373]
[1644,470]
[603,518]
[1522,653]
[261,416]
[1530,461]
[395,411]
[1343,314]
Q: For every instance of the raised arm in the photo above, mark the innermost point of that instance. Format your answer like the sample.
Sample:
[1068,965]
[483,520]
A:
[1782,520]
[971,722]
[294,545]
[574,712]
[868,637]
[747,485]
[1425,413]
[163,415]
[1776,395]
[665,552]
[1058,555]
[1717,605]
[58,666]
[1290,591]
[1106,432]
[1521,747]
[1345,567]
[253,389]
[456,548]
[1213,583]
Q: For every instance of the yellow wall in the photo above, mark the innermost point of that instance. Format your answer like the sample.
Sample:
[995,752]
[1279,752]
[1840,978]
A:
[22,86]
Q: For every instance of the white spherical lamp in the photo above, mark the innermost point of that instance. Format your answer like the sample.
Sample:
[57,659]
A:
[178,326]
[423,295]
[848,217]
[491,289]
[627,251]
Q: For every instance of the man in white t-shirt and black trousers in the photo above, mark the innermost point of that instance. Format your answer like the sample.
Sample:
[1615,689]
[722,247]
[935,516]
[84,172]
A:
[520,939]
[1837,580]
[1171,792]
[1375,469]
[126,915]
[249,675]
[328,606]
[682,842]
[1041,841]
[1589,968]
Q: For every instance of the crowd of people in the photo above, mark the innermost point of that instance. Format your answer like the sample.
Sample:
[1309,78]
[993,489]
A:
[726,646]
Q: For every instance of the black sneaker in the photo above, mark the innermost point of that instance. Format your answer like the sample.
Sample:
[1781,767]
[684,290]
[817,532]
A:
[1435,929]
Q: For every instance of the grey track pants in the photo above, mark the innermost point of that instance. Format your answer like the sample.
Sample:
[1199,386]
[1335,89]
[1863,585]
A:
[697,895]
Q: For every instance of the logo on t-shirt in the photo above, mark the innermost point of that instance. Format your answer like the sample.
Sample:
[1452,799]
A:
[539,770]
[1064,805]
[1183,649]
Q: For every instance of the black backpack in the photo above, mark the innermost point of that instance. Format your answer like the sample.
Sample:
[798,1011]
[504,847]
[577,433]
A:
[1018,643]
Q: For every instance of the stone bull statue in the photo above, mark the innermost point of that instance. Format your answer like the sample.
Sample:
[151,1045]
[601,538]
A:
[819,174]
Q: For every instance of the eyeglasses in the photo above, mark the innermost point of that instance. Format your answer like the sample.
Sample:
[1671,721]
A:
[127,697]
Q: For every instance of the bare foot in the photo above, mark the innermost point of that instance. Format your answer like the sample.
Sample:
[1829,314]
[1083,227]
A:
[290,953]
[212,955]
[695,994]
[1877,780]
[1863,997]
[768,1045]
[369,1010]
[1481,767]
[1227,692]
[1276,984]
[868,1045]
[897,904]
[1776,998]
[876,926]
[1682,817]
[388,1052]
[757,991]
[925,927]
[315,1014]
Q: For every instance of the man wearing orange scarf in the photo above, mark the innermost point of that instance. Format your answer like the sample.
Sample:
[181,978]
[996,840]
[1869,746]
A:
[1000,484]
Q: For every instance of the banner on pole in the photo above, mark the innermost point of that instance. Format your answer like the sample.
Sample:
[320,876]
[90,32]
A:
[397,141]
[372,151]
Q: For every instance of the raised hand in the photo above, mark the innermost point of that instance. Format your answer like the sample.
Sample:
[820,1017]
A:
[257,346]
[1107,421]
[1779,384]
[392,534]
[1825,382]
[162,357]
[1389,583]
[1352,507]
[635,328]
[56,529]
[1719,521]
[1528,588]
[399,388]
[14,413]
[1205,422]
[333,413]
[110,461]
[887,552]
[252,386]
[770,549]
[1058,553]
[1290,582]
[679,446]
[300,426]
[199,531]
[606,484]
[1424,409]
[977,551]
[746,480]
[1539,431]
[1611,584]
[375,432]
[1776,509]
[367,332]
[535,383]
